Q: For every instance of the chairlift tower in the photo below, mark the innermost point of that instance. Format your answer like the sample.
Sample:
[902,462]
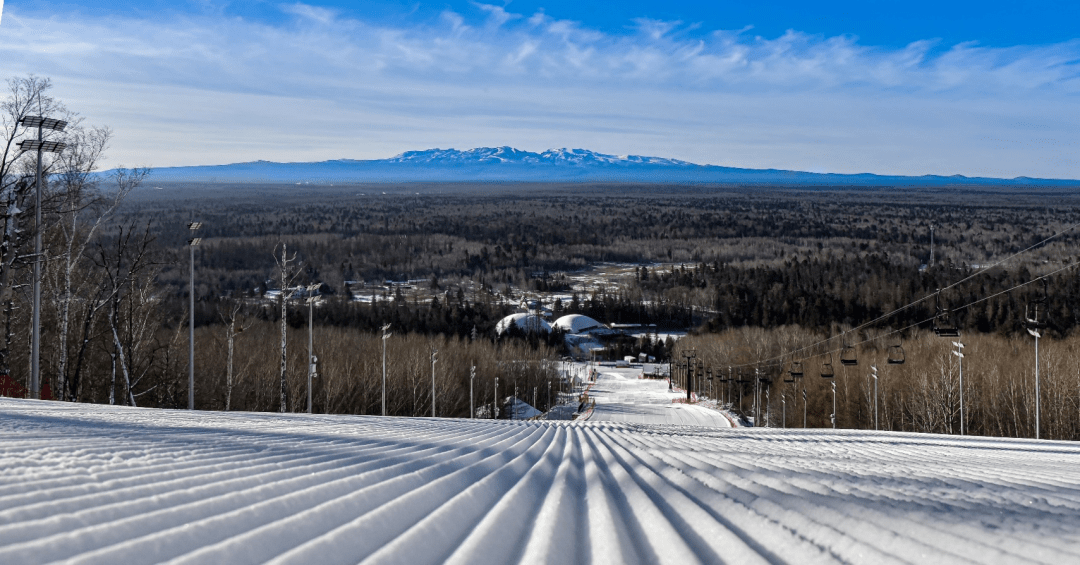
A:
[689,355]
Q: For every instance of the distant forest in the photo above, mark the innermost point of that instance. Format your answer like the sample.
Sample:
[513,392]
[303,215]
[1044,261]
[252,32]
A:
[710,260]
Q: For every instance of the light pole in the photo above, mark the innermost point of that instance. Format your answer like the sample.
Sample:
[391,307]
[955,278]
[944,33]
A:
[833,415]
[192,243]
[783,404]
[434,358]
[495,401]
[311,288]
[386,335]
[1037,335]
[472,397]
[873,373]
[804,408]
[960,356]
[41,146]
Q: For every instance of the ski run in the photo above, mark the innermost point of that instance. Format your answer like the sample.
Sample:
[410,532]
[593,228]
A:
[641,480]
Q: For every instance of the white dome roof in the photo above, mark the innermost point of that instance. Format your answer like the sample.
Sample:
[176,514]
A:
[576,323]
[524,322]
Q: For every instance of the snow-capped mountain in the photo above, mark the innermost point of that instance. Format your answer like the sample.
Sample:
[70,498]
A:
[577,157]
[506,164]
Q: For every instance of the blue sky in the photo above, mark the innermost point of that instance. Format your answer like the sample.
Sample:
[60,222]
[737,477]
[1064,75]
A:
[990,88]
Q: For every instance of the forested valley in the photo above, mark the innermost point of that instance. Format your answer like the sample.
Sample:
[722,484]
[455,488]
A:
[788,274]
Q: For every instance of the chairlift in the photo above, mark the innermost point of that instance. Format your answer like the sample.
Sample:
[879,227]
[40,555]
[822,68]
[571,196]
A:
[796,369]
[896,354]
[1035,313]
[847,356]
[944,325]
[827,369]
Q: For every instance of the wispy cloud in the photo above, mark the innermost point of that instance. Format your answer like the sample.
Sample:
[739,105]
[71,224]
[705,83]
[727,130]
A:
[491,76]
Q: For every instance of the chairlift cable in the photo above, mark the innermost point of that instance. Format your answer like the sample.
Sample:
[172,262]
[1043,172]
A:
[934,294]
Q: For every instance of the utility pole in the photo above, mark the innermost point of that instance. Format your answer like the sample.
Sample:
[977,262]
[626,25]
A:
[472,397]
[495,401]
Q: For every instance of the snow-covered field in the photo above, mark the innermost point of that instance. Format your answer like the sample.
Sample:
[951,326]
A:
[97,484]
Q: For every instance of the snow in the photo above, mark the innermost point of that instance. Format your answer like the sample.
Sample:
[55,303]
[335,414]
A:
[524,322]
[622,395]
[576,323]
[99,484]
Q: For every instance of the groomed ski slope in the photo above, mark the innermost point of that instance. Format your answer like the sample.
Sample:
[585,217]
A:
[621,395]
[98,484]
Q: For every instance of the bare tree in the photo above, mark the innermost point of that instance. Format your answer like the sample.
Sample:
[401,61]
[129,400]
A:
[230,318]
[288,269]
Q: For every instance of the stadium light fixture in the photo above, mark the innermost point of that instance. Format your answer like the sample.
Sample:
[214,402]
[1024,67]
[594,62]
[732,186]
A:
[40,146]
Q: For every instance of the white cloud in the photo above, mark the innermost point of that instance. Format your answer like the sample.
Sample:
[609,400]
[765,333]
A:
[317,14]
[492,77]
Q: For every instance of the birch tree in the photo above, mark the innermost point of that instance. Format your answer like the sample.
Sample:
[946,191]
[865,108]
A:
[288,270]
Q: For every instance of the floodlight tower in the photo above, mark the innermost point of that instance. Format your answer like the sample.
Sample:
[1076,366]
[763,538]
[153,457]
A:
[41,146]
[192,243]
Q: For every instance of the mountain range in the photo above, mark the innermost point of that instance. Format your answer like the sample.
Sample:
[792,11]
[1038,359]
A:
[506,164]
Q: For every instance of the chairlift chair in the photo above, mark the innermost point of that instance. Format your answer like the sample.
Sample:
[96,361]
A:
[1035,313]
[944,325]
[896,354]
[827,369]
[796,369]
[848,357]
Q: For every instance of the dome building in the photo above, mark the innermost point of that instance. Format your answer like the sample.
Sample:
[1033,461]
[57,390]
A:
[527,323]
[578,324]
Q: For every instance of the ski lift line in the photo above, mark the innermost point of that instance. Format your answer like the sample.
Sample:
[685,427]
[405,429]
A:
[1021,285]
[937,292]
[916,324]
